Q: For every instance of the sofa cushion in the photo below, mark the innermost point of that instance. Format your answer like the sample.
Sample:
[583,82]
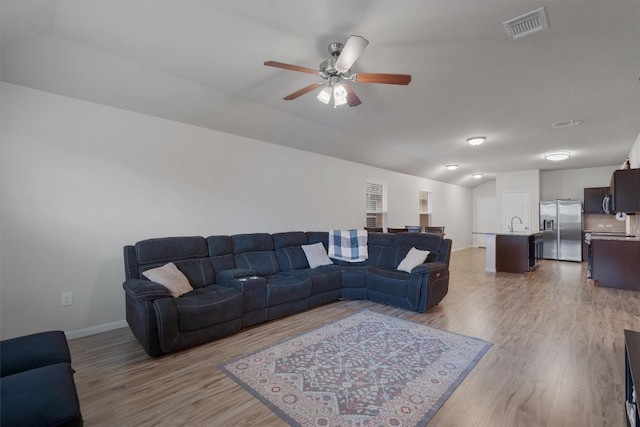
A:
[263,263]
[325,278]
[318,236]
[380,245]
[422,241]
[171,278]
[289,238]
[291,258]
[316,255]
[414,258]
[208,306]
[221,252]
[166,249]
[388,281]
[286,287]
[33,351]
[254,242]
[44,396]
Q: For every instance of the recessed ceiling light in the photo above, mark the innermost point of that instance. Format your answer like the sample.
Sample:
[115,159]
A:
[557,156]
[452,167]
[476,140]
[477,175]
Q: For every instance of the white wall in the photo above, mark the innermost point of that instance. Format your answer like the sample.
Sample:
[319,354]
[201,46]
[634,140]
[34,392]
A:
[570,184]
[81,180]
[487,189]
[634,155]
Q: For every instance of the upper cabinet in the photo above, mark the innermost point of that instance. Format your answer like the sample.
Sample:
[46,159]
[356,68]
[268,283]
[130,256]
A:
[625,190]
[593,198]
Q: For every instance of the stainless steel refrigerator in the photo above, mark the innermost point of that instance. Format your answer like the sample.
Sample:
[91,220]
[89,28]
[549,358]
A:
[561,226]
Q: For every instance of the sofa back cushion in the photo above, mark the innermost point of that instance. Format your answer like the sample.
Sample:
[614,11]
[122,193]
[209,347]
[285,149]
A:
[380,245]
[189,254]
[422,241]
[221,253]
[289,250]
[255,252]
[318,236]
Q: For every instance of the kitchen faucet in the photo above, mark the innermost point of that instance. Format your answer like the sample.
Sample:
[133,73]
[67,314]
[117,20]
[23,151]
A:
[511,227]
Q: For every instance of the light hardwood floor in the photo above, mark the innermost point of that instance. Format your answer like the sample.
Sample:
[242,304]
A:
[556,360]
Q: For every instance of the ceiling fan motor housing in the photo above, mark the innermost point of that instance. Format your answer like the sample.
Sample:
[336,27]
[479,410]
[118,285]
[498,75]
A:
[328,68]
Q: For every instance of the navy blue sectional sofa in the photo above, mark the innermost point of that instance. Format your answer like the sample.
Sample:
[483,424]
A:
[246,279]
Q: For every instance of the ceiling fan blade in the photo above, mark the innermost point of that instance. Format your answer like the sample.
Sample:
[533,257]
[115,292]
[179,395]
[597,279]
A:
[290,67]
[302,91]
[350,52]
[352,98]
[390,79]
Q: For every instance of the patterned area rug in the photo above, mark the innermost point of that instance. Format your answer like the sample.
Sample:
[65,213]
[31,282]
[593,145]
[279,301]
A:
[368,369]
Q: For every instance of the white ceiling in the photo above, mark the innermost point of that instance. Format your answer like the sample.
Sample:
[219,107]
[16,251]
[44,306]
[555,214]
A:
[201,62]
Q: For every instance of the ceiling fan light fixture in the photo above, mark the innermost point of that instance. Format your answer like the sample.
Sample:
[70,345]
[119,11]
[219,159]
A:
[339,94]
[452,167]
[557,156]
[476,140]
[325,95]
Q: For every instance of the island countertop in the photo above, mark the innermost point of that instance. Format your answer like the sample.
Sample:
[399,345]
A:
[526,233]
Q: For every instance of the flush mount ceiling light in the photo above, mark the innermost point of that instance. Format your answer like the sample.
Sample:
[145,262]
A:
[477,175]
[476,140]
[452,167]
[557,156]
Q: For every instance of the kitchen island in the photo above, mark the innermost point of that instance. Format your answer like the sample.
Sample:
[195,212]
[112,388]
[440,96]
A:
[513,252]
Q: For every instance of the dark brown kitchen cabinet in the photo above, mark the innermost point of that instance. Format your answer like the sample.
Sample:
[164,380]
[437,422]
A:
[517,253]
[593,199]
[625,190]
[616,263]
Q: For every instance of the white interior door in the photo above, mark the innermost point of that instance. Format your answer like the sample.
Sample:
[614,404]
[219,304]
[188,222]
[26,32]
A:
[485,219]
[516,204]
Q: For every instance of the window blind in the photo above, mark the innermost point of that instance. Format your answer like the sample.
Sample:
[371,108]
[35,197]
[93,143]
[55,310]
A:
[375,205]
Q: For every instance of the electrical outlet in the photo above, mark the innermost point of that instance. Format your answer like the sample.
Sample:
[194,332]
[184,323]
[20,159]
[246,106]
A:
[66,298]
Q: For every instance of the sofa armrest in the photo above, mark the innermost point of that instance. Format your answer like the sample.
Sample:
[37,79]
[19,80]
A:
[434,277]
[253,290]
[145,290]
[428,267]
[225,277]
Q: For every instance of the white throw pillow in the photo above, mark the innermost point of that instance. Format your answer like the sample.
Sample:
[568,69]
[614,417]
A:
[171,278]
[316,255]
[414,258]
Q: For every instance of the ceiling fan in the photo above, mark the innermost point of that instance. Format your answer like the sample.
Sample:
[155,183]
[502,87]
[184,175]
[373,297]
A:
[337,69]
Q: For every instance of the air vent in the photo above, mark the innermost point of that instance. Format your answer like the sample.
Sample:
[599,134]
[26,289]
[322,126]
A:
[526,24]
[566,124]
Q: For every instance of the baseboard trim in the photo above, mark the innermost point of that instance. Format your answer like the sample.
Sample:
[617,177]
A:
[461,249]
[92,330]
